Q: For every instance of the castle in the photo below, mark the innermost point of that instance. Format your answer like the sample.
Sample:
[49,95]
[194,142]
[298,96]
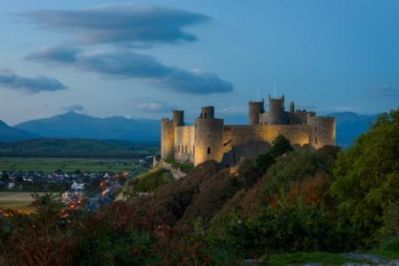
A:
[210,139]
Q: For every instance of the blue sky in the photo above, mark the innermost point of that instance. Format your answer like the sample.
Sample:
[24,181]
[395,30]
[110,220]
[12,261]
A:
[144,58]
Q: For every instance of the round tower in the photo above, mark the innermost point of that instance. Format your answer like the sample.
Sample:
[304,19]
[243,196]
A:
[167,139]
[208,137]
[255,108]
[207,112]
[277,114]
[178,118]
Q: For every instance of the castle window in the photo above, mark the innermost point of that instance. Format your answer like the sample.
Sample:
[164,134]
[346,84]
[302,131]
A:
[315,129]
[193,150]
[315,140]
[209,150]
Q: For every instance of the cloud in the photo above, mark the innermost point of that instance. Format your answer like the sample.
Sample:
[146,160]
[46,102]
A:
[11,80]
[155,106]
[129,23]
[386,94]
[124,63]
[73,108]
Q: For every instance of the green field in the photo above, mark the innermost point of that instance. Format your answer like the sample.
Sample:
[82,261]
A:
[19,201]
[48,165]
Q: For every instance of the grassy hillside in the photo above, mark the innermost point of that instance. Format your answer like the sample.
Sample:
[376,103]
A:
[82,148]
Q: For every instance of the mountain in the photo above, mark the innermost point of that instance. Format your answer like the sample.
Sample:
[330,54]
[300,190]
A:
[350,126]
[74,125]
[10,134]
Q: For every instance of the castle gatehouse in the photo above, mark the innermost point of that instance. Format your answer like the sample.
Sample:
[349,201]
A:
[210,139]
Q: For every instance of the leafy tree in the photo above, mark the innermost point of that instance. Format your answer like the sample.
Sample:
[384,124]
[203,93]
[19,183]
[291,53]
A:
[367,185]
[280,146]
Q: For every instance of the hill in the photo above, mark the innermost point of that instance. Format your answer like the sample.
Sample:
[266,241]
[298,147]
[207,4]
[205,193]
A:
[74,125]
[87,148]
[350,126]
[8,134]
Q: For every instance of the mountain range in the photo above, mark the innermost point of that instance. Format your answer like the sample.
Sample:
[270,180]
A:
[72,125]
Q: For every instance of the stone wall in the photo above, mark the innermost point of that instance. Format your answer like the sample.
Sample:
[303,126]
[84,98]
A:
[323,131]
[184,143]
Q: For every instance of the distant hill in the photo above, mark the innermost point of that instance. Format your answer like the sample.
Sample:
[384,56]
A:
[8,134]
[350,126]
[77,148]
[74,125]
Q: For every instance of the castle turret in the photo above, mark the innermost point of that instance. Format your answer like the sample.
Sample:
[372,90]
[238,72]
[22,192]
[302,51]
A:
[277,114]
[167,139]
[255,109]
[292,107]
[208,141]
[207,112]
[178,118]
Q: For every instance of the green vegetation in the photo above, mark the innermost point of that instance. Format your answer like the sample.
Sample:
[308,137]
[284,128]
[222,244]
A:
[184,167]
[48,165]
[77,148]
[20,201]
[323,258]
[148,182]
[290,206]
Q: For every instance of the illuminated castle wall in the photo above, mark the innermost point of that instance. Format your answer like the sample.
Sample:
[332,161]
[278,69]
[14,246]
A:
[210,139]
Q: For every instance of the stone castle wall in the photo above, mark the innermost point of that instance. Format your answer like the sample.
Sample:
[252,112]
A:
[323,131]
[184,143]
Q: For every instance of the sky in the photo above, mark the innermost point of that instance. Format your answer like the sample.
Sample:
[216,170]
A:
[142,59]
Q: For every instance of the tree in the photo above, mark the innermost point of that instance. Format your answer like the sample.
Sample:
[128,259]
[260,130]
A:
[280,146]
[367,183]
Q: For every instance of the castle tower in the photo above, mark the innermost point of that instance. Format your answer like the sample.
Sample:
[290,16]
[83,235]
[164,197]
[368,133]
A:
[178,118]
[255,108]
[292,107]
[167,139]
[207,112]
[208,140]
[322,130]
[277,114]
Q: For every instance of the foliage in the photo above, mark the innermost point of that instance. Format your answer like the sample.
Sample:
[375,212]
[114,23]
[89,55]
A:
[149,181]
[367,182]
[323,258]
[185,167]
[280,146]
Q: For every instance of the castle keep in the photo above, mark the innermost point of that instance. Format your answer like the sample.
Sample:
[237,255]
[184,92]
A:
[210,139]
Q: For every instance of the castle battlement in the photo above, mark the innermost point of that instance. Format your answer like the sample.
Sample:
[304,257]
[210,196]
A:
[210,139]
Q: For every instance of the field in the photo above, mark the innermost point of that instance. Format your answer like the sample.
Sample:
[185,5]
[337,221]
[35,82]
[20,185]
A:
[19,201]
[48,165]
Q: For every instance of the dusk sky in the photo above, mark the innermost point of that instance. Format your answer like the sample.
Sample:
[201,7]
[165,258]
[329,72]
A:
[141,59]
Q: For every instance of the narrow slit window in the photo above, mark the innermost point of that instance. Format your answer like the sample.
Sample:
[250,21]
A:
[209,150]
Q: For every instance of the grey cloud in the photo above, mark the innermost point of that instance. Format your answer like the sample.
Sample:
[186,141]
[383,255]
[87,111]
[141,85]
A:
[128,64]
[73,108]
[130,23]
[154,106]
[11,80]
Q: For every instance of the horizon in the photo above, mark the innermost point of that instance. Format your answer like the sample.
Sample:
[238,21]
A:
[328,57]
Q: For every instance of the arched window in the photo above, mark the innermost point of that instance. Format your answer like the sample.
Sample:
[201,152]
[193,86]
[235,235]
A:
[209,150]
